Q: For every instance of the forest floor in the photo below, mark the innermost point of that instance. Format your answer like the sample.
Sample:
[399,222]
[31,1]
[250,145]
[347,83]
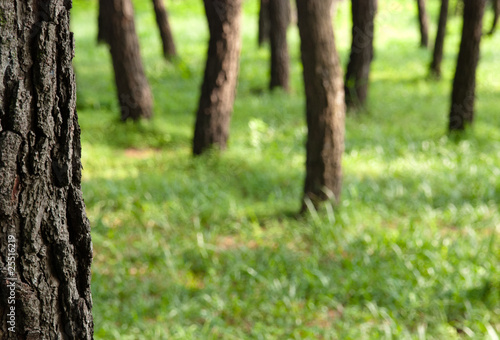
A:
[210,247]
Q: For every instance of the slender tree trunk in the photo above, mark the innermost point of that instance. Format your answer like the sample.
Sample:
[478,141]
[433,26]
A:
[437,57]
[167,38]
[464,84]
[325,106]
[103,23]
[423,21]
[221,74]
[134,93]
[264,22]
[279,12]
[496,13]
[358,69]
[45,244]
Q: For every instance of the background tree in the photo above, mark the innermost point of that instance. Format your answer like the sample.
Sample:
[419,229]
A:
[167,38]
[464,83]
[423,21]
[325,107]
[358,69]
[264,22]
[221,74]
[117,29]
[437,56]
[279,13]
[41,207]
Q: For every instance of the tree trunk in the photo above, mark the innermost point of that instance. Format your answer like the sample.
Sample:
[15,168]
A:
[45,247]
[358,69]
[103,23]
[325,106]
[464,84]
[279,12]
[439,44]
[221,74]
[134,93]
[264,22]
[167,38]
[423,21]
[496,15]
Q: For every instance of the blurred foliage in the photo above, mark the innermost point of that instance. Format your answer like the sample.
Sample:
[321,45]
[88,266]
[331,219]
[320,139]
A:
[210,248]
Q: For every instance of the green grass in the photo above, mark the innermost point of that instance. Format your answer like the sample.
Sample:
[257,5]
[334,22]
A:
[209,248]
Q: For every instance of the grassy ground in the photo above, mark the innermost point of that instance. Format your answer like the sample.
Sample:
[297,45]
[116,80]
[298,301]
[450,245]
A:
[208,248]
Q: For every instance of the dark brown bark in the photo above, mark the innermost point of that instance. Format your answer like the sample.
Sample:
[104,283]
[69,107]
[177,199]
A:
[103,23]
[423,21]
[464,84]
[264,22]
[134,93]
[358,70]
[496,15]
[221,74]
[45,244]
[167,38]
[437,56]
[325,106]
[279,13]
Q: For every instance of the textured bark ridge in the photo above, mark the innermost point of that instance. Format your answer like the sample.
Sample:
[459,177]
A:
[437,57]
[358,70]
[325,105]
[41,205]
[117,28]
[279,12]
[221,73]
[464,84]
[167,38]
[423,21]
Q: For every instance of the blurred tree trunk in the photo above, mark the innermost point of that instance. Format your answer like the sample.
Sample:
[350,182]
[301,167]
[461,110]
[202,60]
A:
[221,74]
[496,13]
[437,57]
[103,23]
[134,94]
[423,21]
[167,38]
[279,13]
[264,22]
[464,84]
[325,106]
[358,69]
[45,248]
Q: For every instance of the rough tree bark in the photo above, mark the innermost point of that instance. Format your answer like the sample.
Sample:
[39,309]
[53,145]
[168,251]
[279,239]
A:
[134,94]
[496,15]
[264,23]
[167,38]
[221,74]
[279,13]
[423,21]
[325,106]
[437,56]
[358,69]
[45,244]
[464,84]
